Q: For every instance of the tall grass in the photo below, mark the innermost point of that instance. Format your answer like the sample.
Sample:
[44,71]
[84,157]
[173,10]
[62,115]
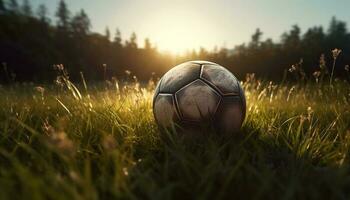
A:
[101,142]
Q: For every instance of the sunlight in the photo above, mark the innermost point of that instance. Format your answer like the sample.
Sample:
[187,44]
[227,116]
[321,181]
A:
[180,32]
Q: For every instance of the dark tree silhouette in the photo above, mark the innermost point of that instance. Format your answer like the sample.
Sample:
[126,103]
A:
[2,7]
[30,45]
[108,33]
[63,15]
[291,40]
[81,24]
[42,13]
[26,8]
[147,45]
[13,6]
[256,37]
[118,39]
[132,43]
[338,37]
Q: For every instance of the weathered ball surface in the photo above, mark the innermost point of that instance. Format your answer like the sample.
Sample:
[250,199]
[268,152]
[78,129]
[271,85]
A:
[199,94]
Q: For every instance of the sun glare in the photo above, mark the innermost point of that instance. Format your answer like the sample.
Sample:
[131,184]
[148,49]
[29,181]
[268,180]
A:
[179,32]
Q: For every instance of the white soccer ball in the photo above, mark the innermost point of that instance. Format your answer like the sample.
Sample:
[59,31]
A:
[199,94]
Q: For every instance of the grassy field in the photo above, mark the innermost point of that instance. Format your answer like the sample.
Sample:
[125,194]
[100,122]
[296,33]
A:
[58,142]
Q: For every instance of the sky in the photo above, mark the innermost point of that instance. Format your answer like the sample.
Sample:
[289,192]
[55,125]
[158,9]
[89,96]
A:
[179,25]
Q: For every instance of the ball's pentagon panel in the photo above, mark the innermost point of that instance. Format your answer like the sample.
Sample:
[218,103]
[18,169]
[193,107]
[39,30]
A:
[220,78]
[179,76]
[197,101]
[164,109]
[198,93]
[230,114]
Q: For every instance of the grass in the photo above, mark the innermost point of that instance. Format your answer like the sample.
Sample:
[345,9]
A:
[102,143]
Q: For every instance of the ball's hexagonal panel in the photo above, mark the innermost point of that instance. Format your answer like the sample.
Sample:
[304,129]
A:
[229,115]
[164,110]
[179,76]
[221,78]
[197,101]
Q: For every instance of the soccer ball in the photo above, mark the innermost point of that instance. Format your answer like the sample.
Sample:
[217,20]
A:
[199,94]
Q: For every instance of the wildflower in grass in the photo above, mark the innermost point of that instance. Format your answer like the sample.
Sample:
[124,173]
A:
[323,67]
[62,143]
[271,89]
[292,68]
[115,83]
[47,128]
[302,119]
[290,92]
[125,171]
[316,74]
[335,53]
[310,111]
[58,139]
[61,71]
[250,78]
[59,81]
[58,67]
[109,83]
[151,84]
[109,143]
[127,72]
[40,89]
[297,70]
[75,176]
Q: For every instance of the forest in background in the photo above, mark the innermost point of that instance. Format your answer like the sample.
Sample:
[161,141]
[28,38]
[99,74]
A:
[32,44]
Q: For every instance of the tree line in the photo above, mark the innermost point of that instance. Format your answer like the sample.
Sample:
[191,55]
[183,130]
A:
[31,44]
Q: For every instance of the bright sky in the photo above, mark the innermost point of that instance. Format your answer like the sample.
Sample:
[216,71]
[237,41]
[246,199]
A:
[178,25]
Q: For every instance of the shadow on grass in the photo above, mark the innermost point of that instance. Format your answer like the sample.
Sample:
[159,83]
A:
[247,165]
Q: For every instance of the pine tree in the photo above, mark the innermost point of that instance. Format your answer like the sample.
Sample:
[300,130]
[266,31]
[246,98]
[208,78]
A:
[132,43]
[26,9]
[147,45]
[2,7]
[107,33]
[13,6]
[256,39]
[337,34]
[118,38]
[63,15]
[42,13]
[81,24]
[292,39]
[337,28]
